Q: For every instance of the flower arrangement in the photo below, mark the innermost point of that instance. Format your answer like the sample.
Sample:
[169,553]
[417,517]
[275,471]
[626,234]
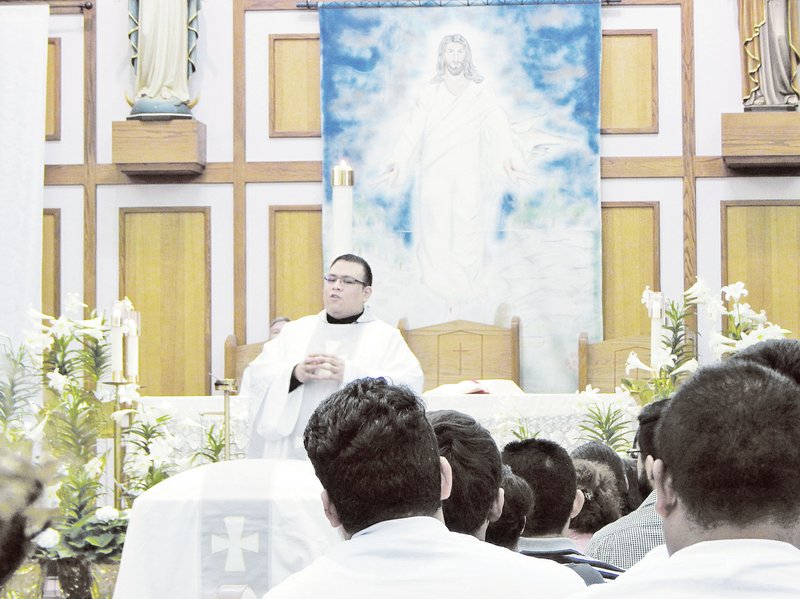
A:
[676,357]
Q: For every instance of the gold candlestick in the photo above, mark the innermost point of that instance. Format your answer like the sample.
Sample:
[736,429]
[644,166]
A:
[117,446]
[227,386]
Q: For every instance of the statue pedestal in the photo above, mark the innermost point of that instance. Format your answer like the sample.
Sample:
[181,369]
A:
[761,139]
[173,147]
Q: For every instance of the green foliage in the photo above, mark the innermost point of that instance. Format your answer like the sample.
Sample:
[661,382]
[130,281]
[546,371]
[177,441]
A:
[523,430]
[671,373]
[73,425]
[213,447]
[606,425]
[19,387]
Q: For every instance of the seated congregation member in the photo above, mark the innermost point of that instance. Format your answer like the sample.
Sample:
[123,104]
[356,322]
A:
[727,490]
[624,542]
[20,488]
[594,451]
[548,469]
[517,502]
[476,498]
[316,355]
[276,326]
[781,355]
[383,481]
[602,503]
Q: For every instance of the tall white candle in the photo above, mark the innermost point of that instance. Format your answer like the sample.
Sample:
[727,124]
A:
[654,300]
[116,344]
[132,349]
[342,180]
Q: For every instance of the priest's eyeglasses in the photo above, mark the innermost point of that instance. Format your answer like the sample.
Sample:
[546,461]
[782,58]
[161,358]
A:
[347,281]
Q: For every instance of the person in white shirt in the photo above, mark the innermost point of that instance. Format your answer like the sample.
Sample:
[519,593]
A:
[316,355]
[727,490]
[383,481]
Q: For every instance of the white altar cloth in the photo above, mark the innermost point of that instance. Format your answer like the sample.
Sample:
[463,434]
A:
[250,522]
[552,416]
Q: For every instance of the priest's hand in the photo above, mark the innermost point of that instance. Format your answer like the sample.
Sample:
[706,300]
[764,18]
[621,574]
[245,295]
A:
[320,367]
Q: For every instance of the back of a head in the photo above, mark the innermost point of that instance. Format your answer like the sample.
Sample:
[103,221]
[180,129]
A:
[548,469]
[375,453]
[729,440]
[20,487]
[781,355]
[649,417]
[475,460]
[518,502]
[602,501]
[600,453]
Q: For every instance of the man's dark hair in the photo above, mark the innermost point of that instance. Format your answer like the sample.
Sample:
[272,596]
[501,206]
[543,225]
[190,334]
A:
[518,502]
[20,487]
[358,260]
[602,502]
[782,355]
[729,440]
[548,469]
[375,453]
[477,469]
[646,434]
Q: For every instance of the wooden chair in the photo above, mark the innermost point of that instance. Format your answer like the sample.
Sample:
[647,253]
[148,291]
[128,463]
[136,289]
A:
[602,364]
[463,350]
[238,357]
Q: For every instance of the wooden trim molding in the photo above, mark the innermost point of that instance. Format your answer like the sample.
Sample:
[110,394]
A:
[56,214]
[53,112]
[656,206]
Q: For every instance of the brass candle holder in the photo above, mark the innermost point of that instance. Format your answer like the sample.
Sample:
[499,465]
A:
[227,386]
[118,455]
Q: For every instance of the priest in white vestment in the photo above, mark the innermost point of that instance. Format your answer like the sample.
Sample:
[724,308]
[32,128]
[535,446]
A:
[317,355]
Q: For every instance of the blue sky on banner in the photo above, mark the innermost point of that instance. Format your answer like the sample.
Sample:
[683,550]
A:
[542,258]
[539,60]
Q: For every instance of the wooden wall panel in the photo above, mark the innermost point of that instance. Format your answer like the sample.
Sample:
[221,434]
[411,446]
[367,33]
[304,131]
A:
[52,118]
[51,261]
[164,270]
[629,82]
[761,247]
[294,94]
[630,262]
[295,256]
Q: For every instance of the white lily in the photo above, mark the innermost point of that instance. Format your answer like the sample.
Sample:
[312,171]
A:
[37,316]
[699,293]
[57,382]
[73,305]
[36,432]
[734,291]
[634,363]
[688,366]
[92,327]
[663,359]
[721,345]
[94,467]
[62,327]
[120,416]
[37,343]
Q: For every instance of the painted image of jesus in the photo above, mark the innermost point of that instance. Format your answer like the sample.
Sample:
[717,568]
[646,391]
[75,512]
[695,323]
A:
[459,150]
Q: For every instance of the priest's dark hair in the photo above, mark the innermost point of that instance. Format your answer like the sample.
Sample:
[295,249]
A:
[477,469]
[782,355]
[375,453]
[548,469]
[518,502]
[358,260]
[729,441]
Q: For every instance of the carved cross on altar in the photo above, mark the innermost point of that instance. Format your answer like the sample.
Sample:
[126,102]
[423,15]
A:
[460,351]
